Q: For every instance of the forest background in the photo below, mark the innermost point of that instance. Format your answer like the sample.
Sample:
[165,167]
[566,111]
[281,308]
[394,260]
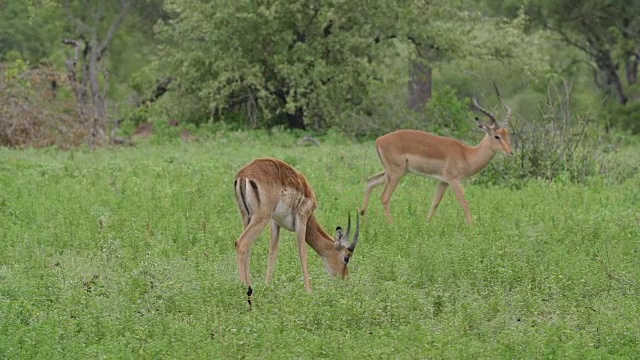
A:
[74,72]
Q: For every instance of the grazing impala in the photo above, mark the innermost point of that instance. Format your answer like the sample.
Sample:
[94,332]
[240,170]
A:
[269,189]
[442,158]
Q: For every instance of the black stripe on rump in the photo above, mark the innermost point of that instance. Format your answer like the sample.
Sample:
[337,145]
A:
[255,190]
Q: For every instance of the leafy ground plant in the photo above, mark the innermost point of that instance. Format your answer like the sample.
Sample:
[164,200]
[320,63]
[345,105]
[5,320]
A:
[128,252]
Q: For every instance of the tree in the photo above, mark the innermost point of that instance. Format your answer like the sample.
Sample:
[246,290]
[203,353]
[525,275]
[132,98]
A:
[435,29]
[460,32]
[93,25]
[299,63]
[607,32]
[294,62]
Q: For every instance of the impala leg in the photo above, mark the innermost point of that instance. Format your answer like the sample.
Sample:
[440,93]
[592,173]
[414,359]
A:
[372,182]
[301,230]
[273,249]
[442,187]
[243,251]
[389,188]
[457,188]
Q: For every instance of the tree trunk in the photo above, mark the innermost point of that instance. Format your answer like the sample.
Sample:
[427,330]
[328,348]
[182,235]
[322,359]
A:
[94,87]
[93,110]
[296,120]
[610,72]
[632,68]
[420,81]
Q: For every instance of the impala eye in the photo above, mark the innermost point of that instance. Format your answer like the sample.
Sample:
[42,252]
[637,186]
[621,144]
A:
[346,259]
[497,137]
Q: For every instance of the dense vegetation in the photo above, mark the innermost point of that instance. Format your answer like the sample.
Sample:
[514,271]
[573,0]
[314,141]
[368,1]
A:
[309,65]
[98,72]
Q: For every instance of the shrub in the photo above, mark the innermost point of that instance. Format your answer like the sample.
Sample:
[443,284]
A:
[624,117]
[445,114]
[33,108]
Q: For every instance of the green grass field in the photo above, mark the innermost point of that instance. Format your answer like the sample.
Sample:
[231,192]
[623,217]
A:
[129,253]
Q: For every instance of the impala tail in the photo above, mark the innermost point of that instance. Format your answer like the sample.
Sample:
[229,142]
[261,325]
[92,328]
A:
[243,189]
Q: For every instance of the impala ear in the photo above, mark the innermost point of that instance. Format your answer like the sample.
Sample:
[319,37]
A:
[482,126]
[339,235]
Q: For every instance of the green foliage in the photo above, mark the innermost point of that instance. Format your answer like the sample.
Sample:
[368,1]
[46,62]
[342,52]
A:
[326,63]
[623,117]
[13,74]
[322,65]
[270,60]
[448,115]
[28,30]
[127,252]
[32,31]
[605,32]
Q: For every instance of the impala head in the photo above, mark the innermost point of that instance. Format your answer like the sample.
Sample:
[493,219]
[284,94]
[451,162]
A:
[337,263]
[498,135]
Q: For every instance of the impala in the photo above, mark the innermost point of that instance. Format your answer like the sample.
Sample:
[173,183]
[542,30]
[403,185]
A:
[271,190]
[445,159]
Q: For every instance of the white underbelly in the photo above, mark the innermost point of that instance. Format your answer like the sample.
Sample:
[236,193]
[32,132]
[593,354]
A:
[283,216]
[432,168]
[431,175]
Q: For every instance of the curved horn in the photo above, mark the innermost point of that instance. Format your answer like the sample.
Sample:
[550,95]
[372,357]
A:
[356,235]
[507,117]
[486,112]
[346,235]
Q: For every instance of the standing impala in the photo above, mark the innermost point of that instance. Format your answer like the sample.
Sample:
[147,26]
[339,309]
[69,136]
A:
[442,158]
[269,189]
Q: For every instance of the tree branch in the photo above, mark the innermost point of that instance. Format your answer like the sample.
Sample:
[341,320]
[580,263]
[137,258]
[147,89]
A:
[97,17]
[72,74]
[570,41]
[126,6]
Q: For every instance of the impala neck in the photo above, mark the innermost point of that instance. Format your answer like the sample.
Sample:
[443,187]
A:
[317,238]
[480,155]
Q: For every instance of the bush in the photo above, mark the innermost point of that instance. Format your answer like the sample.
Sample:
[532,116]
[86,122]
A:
[32,112]
[445,114]
[624,117]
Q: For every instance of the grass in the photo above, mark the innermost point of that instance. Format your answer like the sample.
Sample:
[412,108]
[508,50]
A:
[128,252]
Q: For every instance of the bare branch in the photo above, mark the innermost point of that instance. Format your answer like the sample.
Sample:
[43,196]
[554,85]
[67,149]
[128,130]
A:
[507,117]
[97,17]
[125,7]
[71,64]
[566,38]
